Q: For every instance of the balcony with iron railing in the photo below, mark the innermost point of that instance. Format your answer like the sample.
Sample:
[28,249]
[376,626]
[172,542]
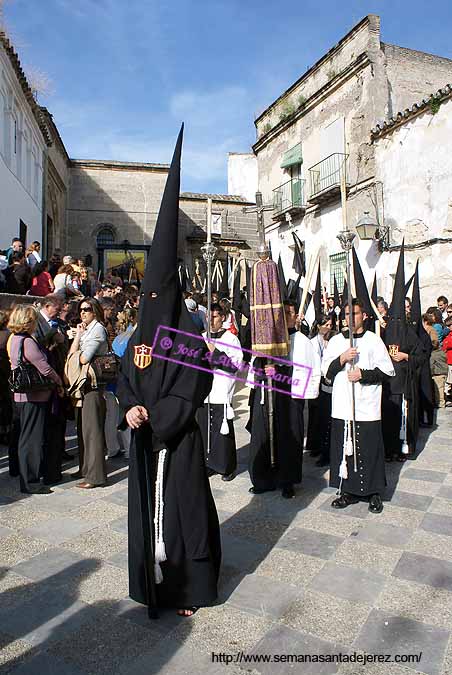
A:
[326,177]
[289,198]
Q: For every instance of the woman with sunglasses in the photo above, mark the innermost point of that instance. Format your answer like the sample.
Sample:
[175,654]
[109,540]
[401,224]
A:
[90,340]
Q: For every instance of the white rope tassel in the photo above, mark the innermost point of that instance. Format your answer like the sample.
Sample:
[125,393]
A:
[160,552]
[230,412]
[403,434]
[348,440]
[343,472]
[224,430]
[262,396]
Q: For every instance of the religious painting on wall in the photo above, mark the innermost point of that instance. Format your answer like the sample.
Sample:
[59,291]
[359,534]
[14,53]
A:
[129,265]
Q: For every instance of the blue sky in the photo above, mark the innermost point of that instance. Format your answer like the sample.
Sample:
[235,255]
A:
[125,73]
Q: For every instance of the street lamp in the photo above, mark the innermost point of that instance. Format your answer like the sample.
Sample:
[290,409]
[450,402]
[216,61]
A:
[368,229]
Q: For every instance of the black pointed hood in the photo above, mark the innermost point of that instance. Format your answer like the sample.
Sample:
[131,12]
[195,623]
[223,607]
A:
[397,308]
[416,312]
[224,285]
[161,267]
[282,280]
[161,304]
[294,291]
[374,291]
[236,295]
[299,258]
[344,294]
[337,300]
[317,297]
[361,291]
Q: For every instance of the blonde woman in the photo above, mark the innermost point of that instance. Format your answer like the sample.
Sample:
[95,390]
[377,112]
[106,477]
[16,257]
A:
[32,406]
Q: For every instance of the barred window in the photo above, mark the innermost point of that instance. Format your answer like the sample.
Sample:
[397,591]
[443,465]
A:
[105,236]
[338,262]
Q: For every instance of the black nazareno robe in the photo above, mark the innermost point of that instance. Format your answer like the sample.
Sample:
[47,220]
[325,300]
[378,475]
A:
[405,384]
[190,521]
[288,433]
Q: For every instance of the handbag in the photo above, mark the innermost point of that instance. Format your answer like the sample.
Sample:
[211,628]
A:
[26,378]
[105,368]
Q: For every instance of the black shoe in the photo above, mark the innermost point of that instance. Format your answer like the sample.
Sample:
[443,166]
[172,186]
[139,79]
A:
[117,455]
[343,501]
[228,477]
[287,492]
[375,504]
[257,491]
[42,490]
[314,453]
[322,462]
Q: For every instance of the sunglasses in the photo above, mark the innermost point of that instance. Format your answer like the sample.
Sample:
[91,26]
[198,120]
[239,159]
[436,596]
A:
[86,309]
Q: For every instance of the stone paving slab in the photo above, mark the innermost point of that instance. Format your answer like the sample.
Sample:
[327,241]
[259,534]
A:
[283,640]
[425,570]
[349,583]
[255,595]
[385,633]
[384,535]
[52,562]
[59,530]
[311,543]
[412,501]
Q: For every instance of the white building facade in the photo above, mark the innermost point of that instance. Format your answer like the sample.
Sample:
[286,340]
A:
[23,145]
[413,157]
[320,130]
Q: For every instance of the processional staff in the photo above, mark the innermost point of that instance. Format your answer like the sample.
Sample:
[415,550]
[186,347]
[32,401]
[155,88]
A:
[208,252]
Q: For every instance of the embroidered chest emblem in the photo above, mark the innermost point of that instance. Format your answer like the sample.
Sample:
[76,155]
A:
[143,356]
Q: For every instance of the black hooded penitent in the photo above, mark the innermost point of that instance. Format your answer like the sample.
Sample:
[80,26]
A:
[171,391]
[400,336]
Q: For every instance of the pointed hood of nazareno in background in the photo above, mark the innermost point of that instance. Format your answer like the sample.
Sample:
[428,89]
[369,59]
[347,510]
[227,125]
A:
[337,300]
[397,307]
[374,291]
[299,258]
[317,297]
[224,285]
[360,285]
[416,311]
[282,280]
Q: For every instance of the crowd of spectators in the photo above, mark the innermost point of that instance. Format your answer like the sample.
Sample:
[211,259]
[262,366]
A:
[68,320]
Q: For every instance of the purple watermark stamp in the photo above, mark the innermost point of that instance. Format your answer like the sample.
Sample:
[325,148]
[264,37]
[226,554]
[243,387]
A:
[180,352]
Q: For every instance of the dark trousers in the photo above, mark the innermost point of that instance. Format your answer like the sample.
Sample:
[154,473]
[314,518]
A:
[314,426]
[31,439]
[54,442]
[90,420]
[13,458]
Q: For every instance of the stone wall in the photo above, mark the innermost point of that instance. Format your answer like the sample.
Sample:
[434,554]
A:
[413,75]
[127,197]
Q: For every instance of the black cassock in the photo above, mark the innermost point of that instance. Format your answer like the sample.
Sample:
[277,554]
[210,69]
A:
[288,434]
[404,384]
[190,521]
[222,457]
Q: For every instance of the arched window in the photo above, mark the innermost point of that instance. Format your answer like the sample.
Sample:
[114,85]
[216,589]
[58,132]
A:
[105,237]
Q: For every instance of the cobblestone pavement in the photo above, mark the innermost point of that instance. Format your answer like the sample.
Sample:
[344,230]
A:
[298,578]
